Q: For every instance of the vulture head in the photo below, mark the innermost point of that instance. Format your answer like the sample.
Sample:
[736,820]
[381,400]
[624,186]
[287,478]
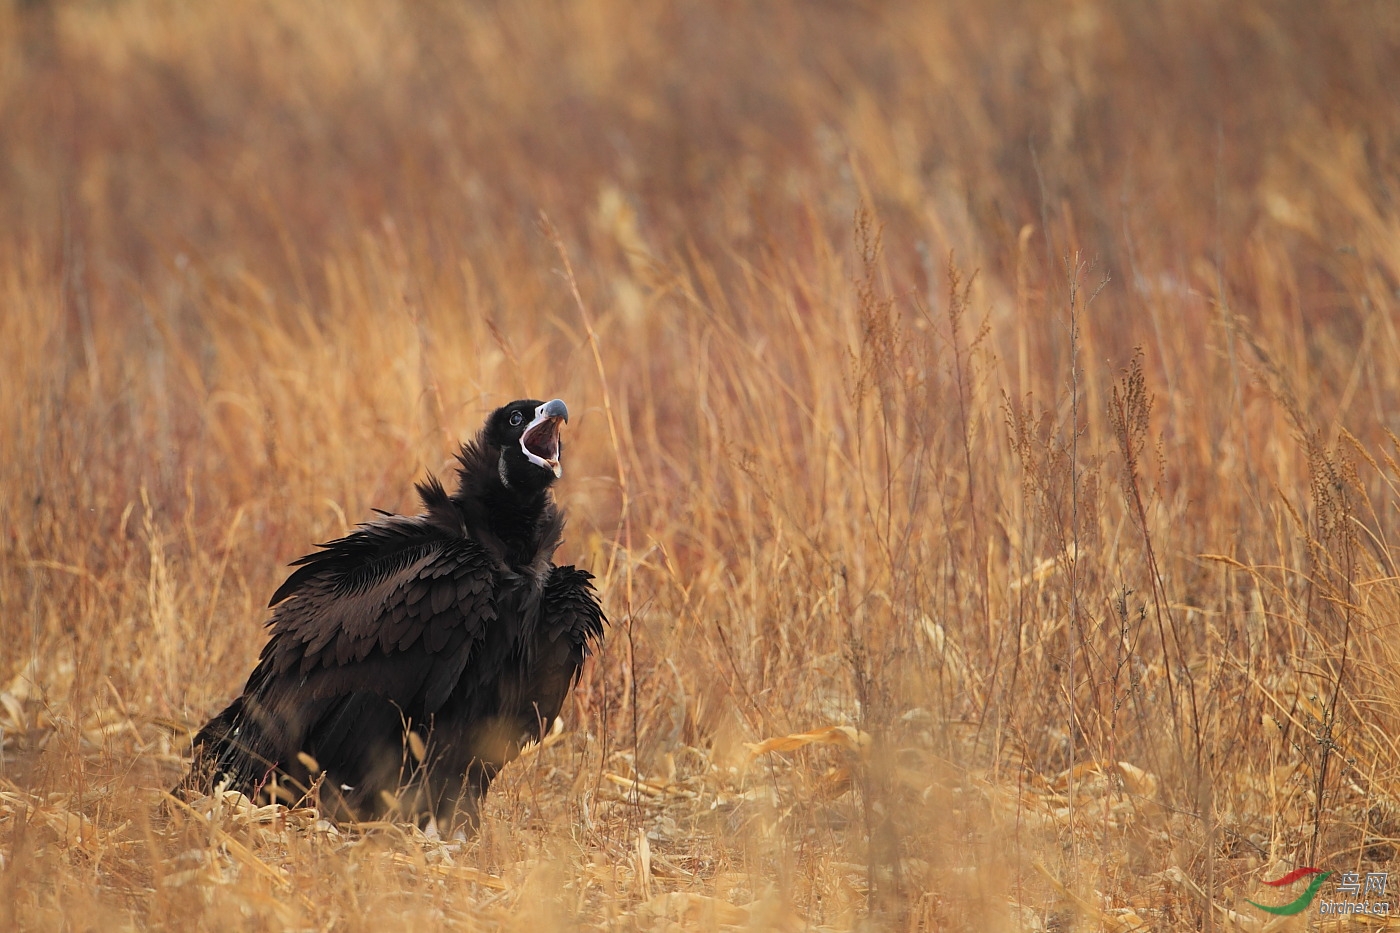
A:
[526,434]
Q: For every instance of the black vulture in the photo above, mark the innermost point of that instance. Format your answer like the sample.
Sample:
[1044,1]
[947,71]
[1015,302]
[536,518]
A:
[410,660]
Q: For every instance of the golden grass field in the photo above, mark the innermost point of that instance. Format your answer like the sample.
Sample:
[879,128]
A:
[984,433]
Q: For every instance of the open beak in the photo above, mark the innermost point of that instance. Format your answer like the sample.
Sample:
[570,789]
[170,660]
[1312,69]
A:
[540,440]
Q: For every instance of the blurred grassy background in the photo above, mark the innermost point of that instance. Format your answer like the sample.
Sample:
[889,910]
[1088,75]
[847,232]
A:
[1010,385]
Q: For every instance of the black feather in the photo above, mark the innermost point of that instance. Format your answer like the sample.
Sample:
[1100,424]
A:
[453,624]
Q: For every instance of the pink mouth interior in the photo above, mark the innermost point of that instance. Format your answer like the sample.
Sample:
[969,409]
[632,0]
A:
[543,441]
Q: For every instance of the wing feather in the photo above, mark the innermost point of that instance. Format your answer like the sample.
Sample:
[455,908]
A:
[571,608]
[397,606]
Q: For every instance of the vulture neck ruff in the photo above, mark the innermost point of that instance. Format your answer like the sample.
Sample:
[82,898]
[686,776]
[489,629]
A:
[520,527]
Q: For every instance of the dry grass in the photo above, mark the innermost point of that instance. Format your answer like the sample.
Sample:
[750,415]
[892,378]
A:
[1082,540]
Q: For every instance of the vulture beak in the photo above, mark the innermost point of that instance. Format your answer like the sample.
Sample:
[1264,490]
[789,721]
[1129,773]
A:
[540,441]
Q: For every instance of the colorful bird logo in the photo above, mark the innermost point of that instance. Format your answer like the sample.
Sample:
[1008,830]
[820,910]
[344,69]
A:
[1304,899]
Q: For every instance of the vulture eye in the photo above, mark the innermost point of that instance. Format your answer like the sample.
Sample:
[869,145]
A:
[516,418]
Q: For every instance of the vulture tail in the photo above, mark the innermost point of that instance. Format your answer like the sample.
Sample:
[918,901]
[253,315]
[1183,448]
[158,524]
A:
[231,752]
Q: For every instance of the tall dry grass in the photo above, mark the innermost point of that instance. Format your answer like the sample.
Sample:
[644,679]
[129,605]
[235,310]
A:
[990,405]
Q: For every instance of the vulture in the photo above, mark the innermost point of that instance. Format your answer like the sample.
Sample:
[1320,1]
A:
[410,660]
